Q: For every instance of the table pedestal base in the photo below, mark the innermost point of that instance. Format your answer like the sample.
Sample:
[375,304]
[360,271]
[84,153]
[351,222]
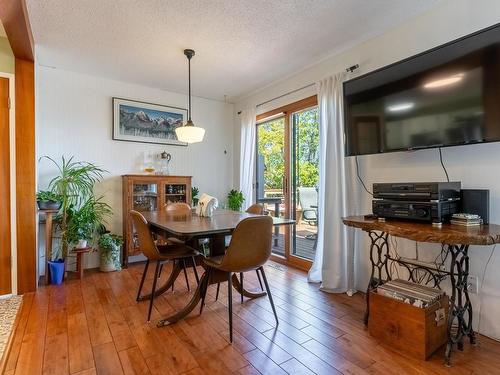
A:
[208,278]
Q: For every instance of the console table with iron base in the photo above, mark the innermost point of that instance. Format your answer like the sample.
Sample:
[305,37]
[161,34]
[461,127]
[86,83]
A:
[455,241]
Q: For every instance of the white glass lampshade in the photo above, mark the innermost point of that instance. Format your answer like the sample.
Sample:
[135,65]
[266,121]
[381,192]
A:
[190,133]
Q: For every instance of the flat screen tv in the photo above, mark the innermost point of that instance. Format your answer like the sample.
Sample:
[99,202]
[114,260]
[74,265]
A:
[447,96]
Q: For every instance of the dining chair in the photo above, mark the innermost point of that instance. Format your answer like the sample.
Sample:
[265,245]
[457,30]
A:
[249,250]
[256,209]
[159,254]
[177,208]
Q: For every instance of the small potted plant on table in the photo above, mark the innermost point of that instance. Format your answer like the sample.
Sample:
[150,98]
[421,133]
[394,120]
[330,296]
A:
[194,196]
[235,200]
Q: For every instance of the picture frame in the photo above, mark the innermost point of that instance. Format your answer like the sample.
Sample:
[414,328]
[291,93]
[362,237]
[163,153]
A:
[136,121]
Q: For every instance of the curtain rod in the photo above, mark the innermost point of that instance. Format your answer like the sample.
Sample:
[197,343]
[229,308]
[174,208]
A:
[348,70]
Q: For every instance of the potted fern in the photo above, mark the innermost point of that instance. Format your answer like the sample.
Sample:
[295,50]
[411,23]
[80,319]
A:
[48,200]
[109,246]
[85,222]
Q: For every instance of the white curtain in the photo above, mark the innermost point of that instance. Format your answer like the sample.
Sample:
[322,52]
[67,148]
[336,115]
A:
[334,261]
[247,155]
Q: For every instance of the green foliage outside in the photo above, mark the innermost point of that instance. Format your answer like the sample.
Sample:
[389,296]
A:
[271,146]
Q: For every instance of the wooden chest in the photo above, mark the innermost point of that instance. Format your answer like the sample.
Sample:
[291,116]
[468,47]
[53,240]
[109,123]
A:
[405,328]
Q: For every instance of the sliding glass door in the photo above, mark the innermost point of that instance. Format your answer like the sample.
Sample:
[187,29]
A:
[305,179]
[287,177]
[271,176]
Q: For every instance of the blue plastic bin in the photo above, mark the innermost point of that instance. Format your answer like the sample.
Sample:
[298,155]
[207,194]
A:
[56,271]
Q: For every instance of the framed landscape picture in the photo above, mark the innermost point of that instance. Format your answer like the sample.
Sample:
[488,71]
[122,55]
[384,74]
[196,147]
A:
[136,121]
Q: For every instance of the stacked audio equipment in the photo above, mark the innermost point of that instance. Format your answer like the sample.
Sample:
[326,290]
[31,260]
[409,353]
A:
[433,202]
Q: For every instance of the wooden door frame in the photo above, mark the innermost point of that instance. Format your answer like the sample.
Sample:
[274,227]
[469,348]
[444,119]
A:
[287,111]
[11,182]
[14,17]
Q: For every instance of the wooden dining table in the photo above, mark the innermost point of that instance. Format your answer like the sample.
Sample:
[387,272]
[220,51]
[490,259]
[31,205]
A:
[191,228]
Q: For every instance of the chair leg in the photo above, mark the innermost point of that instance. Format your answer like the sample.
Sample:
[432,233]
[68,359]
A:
[155,279]
[142,280]
[161,269]
[204,289]
[185,274]
[173,282]
[241,282]
[217,294]
[260,280]
[230,304]
[195,271]
[269,294]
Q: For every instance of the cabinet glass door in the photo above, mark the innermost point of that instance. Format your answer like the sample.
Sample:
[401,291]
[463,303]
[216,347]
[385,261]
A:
[145,198]
[175,193]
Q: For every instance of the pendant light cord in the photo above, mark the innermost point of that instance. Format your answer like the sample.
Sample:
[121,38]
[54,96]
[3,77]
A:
[189,84]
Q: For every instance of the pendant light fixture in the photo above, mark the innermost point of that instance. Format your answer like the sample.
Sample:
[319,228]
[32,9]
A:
[188,132]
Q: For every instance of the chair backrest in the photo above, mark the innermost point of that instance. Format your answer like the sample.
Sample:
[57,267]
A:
[250,245]
[308,196]
[257,209]
[180,208]
[146,242]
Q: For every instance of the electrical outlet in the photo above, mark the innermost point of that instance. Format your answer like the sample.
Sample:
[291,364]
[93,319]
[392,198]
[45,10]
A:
[472,284]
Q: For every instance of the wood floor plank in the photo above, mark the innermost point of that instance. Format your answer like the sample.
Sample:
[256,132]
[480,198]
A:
[177,356]
[80,350]
[106,359]
[97,324]
[57,321]
[354,353]
[248,370]
[304,356]
[133,362]
[90,371]
[19,331]
[30,359]
[56,362]
[294,367]
[122,336]
[263,363]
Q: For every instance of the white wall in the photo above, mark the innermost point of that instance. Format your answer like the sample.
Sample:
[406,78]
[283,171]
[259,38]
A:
[74,118]
[476,166]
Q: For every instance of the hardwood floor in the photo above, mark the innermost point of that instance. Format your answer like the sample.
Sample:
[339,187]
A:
[96,327]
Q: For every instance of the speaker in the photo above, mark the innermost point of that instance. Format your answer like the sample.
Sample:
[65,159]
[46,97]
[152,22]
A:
[476,202]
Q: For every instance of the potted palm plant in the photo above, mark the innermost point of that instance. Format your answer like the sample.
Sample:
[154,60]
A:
[109,246]
[75,186]
[81,213]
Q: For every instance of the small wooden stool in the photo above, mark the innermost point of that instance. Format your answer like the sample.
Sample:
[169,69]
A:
[79,258]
